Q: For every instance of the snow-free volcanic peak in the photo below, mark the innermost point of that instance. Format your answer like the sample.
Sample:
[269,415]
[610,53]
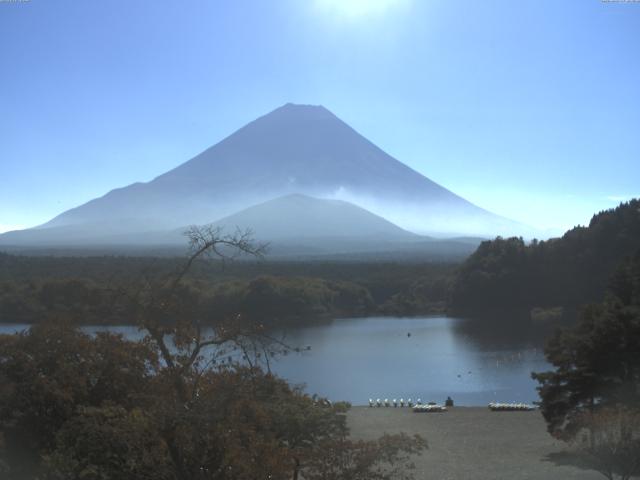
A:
[301,149]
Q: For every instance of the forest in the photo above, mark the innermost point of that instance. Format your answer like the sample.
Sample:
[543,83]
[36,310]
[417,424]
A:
[567,272]
[89,289]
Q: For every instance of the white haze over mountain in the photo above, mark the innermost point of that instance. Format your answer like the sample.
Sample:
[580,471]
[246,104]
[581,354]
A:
[299,216]
[295,149]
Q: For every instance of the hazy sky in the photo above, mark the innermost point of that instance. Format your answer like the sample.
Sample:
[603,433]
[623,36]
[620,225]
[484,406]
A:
[530,109]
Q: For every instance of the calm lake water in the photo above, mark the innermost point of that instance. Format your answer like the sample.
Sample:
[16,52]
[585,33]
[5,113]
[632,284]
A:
[473,361]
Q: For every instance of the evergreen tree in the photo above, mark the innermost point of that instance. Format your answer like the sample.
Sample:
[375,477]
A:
[597,362]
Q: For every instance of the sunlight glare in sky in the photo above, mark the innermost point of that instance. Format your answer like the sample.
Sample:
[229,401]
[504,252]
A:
[492,100]
[359,8]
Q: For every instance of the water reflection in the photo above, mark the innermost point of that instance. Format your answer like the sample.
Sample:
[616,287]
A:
[503,332]
[427,358]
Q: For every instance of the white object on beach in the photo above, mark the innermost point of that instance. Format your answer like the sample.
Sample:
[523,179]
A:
[510,407]
[429,409]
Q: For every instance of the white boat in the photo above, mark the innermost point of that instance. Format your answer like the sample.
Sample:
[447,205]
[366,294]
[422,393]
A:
[429,408]
[510,407]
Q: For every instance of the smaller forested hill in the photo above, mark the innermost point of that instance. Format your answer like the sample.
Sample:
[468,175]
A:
[507,274]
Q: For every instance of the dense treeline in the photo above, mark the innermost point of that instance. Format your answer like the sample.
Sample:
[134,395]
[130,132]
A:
[568,271]
[597,359]
[269,299]
[89,290]
[592,397]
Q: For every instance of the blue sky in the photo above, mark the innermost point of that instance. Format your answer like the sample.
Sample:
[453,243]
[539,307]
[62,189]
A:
[530,109]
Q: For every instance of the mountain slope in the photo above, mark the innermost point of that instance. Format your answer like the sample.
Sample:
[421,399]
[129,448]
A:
[294,149]
[301,217]
[293,218]
[295,226]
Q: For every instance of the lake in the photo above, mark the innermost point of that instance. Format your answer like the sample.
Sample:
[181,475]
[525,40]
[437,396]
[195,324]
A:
[473,361]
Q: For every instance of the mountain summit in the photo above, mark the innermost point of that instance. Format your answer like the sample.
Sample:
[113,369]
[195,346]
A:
[295,149]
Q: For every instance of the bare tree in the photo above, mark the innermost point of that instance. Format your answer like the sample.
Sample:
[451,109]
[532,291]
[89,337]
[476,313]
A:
[168,310]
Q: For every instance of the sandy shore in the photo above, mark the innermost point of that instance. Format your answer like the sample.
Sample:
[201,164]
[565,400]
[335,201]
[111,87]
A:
[475,443]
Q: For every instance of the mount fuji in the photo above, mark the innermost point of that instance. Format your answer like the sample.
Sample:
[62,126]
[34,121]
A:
[294,150]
